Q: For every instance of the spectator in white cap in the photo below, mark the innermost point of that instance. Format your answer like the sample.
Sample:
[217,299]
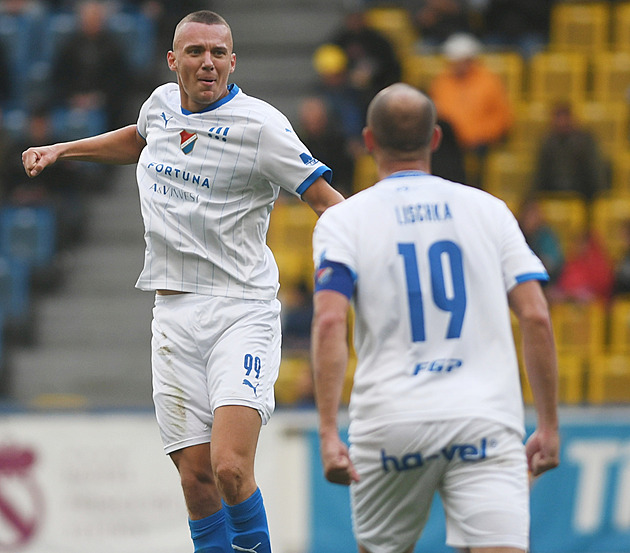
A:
[472,99]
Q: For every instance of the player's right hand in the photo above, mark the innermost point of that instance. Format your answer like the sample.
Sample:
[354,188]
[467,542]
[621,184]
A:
[338,467]
[35,160]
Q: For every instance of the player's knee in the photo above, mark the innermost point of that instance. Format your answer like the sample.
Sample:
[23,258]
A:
[231,479]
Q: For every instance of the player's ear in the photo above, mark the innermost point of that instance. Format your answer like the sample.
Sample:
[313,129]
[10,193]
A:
[368,139]
[233,63]
[171,60]
[436,139]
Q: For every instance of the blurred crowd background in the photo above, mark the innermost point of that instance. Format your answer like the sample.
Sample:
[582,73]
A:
[533,97]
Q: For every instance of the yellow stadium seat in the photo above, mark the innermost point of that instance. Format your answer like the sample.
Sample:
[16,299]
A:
[621,173]
[579,327]
[511,68]
[611,76]
[609,379]
[570,373]
[620,325]
[394,23]
[608,122]
[508,175]
[531,123]
[621,27]
[290,239]
[580,27]
[419,70]
[609,215]
[558,77]
[567,214]
[365,173]
[294,370]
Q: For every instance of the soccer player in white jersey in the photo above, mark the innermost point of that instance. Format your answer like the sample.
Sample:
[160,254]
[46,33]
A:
[432,268]
[211,161]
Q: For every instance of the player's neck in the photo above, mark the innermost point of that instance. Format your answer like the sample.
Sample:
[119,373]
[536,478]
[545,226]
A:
[387,168]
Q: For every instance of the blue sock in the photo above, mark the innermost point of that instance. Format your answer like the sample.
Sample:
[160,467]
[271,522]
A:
[209,535]
[246,525]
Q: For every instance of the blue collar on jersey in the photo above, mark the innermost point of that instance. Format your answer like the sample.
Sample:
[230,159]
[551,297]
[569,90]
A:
[232,91]
[401,174]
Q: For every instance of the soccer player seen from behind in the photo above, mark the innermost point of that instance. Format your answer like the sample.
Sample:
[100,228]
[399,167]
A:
[432,268]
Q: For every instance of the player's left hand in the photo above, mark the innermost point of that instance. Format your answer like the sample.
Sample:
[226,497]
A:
[543,451]
[338,467]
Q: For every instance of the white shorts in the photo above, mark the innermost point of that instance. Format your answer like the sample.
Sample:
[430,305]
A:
[478,467]
[208,352]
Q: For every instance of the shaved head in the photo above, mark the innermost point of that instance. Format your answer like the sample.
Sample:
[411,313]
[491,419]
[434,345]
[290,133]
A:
[402,120]
[205,17]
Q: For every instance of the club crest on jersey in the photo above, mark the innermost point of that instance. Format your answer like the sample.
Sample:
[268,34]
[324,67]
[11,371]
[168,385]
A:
[187,141]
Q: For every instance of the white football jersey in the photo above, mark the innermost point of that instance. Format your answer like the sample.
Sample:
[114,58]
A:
[433,262]
[208,182]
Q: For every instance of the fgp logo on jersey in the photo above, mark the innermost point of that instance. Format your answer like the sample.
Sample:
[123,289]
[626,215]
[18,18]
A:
[187,141]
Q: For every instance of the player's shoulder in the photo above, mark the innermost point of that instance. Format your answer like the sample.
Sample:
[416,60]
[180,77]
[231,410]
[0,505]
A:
[165,94]
[258,108]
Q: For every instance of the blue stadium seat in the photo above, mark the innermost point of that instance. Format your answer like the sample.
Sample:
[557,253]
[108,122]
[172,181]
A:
[137,33]
[15,301]
[28,234]
[71,124]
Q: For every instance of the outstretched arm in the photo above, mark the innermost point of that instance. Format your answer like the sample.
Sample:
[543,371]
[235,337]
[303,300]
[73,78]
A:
[530,306]
[330,359]
[121,147]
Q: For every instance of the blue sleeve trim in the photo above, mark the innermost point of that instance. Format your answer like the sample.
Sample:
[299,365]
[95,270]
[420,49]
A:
[532,276]
[335,276]
[140,134]
[322,171]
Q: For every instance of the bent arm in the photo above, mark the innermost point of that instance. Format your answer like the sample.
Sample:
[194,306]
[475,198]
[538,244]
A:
[320,196]
[121,147]
[530,307]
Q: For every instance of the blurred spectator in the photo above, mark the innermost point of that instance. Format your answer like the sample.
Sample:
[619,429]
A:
[448,160]
[297,314]
[569,158]
[331,64]
[325,140]
[521,24]
[372,61]
[436,20]
[622,268]
[63,187]
[472,99]
[91,70]
[541,238]
[587,274]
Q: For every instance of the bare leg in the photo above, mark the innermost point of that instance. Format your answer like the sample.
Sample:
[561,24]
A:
[195,471]
[234,439]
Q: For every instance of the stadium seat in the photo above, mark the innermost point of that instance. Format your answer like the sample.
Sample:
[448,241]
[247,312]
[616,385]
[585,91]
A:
[580,26]
[394,22]
[419,70]
[579,327]
[511,68]
[71,124]
[28,234]
[15,300]
[365,174]
[558,77]
[567,214]
[621,173]
[611,76]
[531,123]
[609,379]
[619,330]
[608,216]
[621,27]
[608,122]
[508,175]
[293,369]
[290,239]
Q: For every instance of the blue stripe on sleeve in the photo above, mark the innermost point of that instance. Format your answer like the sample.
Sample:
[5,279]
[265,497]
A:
[532,276]
[335,276]
[321,171]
